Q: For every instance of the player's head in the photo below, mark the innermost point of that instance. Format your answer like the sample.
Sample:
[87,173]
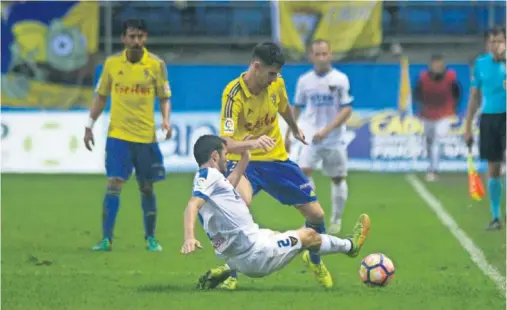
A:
[267,60]
[134,35]
[319,53]
[437,64]
[211,151]
[497,41]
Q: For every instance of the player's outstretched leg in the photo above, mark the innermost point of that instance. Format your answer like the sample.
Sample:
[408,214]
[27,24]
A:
[111,204]
[326,244]
[214,277]
[149,206]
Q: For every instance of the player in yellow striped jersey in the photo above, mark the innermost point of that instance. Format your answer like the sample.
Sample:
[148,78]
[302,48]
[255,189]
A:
[133,79]
[250,107]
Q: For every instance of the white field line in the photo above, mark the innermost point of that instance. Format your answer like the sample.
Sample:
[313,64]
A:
[464,240]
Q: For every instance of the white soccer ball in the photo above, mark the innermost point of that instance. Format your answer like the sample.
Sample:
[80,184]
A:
[376,270]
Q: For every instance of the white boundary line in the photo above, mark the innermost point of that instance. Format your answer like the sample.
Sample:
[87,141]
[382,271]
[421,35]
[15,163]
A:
[466,242]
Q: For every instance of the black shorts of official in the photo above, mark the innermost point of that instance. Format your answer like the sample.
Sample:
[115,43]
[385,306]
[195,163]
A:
[492,137]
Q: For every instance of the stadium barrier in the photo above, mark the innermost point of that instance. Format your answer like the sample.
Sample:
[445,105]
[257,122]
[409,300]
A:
[382,133]
[383,141]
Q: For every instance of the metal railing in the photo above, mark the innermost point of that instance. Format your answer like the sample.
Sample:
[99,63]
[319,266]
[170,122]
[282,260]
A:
[248,22]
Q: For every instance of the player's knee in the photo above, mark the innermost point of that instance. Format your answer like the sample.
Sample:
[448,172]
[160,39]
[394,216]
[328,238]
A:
[337,180]
[146,188]
[115,184]
[494,169]
[313,212]
[310,239]
[307,171]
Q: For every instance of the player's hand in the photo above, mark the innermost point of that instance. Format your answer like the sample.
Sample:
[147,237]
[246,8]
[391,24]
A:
[469,138]
[300,136]
[319,136]
[169,130]
[190,246]
[264,142]
[88,139]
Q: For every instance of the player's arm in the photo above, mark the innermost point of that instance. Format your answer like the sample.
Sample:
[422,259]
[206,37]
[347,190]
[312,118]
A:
[285,111]
[102,90]
[163,91]
[474,102]
[240,169]
[193,206]
[456,90]
[345,110]
[299,103]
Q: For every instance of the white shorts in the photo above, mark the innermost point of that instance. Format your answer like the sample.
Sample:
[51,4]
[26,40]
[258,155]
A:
[271,252]
[334,159]
[437,129]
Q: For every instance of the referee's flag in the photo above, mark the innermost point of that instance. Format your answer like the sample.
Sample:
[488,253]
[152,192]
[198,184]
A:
[475,187]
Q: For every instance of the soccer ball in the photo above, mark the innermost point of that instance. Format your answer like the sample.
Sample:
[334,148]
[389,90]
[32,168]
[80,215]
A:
[376,270]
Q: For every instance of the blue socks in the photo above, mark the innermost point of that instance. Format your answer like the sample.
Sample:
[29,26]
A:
[320,228]
[495,196]
[149,204]
[111,205]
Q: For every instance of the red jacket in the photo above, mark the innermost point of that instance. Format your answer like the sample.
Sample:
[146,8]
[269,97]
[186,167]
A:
[437,96]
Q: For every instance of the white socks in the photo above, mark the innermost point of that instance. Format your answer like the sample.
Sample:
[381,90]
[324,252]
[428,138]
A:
[433,148]
[339,194]
[331,244]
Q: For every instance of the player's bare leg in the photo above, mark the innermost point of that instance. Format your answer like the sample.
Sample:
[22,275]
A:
[315,220]
[495,194]
[149,206]
[339,195]
[110,208]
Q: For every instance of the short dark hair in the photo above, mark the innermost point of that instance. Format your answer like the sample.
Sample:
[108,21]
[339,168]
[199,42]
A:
[134,23]
[497,30]
[437,57]
[206,145]
[269,54]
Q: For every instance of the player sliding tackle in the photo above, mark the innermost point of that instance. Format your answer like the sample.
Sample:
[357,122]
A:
[228,223]
[250,106]
[133,78]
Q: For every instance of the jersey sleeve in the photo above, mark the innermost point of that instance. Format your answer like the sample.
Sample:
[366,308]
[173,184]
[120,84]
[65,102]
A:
[476,76]
[284,98]
[105,81]
[300,96]
[345,97]
[231,107]
[204,184]
[163,89]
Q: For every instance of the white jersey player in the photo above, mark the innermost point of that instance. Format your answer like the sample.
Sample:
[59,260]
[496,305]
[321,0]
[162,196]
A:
[325,92]
[237,239]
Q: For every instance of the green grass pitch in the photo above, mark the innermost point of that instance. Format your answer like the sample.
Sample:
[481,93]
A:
[49,224]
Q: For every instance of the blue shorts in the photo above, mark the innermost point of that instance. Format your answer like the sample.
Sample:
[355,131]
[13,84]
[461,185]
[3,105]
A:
[124,156]
[282,180]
